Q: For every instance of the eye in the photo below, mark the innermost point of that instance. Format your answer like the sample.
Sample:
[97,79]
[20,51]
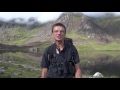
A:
[61,31]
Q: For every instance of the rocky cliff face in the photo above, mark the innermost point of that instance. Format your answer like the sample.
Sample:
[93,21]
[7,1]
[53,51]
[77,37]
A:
[76,22]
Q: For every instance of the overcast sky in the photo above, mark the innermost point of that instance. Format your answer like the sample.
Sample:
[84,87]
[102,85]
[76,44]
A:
[42,16]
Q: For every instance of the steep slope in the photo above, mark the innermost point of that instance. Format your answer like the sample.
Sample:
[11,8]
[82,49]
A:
[110,23]
[76,22]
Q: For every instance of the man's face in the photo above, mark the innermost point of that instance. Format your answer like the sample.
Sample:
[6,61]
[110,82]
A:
[58,33]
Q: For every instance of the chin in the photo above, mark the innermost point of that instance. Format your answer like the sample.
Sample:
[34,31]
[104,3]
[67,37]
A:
[58,40]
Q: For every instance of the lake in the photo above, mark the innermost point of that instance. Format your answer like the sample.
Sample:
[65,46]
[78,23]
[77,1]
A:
[27,64]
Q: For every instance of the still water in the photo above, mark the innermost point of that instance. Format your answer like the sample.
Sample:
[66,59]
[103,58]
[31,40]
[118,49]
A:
[105,62]
[27,65]
[19,65]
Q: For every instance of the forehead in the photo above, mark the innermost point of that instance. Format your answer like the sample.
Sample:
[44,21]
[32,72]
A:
[58,28]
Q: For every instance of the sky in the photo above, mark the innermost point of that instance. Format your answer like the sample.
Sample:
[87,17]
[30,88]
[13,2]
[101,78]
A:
[42,16]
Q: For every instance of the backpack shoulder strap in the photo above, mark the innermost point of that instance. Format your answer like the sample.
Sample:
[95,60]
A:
[72,54]
[70,42]
[50,53]
[71,68]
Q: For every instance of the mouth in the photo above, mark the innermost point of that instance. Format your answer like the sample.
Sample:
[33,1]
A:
[59,37]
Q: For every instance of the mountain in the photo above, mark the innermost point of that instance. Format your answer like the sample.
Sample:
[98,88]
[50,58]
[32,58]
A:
[76,22]
[81,28]
[111,23]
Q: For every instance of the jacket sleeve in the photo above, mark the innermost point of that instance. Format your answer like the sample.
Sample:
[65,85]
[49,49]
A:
[76,55]
[44,62]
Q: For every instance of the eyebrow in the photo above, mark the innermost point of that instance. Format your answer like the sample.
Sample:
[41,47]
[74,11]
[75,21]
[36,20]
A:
[58,30]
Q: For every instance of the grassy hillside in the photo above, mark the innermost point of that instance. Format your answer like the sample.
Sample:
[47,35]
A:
[17,35]
[16,65]
[83,42]
[111,23]
[80,28]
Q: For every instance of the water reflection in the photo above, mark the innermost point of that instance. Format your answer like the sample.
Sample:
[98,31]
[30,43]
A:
[105,62]
[27,65]
[19,65]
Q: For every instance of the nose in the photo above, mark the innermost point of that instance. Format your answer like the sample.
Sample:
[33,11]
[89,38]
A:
[59,32]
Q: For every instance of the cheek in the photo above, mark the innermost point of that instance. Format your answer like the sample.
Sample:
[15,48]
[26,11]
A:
[55,35]
[64,35]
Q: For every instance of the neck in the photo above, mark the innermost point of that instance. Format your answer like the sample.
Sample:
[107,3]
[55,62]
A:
[60,44]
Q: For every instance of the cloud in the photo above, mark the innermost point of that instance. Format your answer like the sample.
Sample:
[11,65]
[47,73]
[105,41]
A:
[44,16]
[47,16]
[99,13]
[41,16]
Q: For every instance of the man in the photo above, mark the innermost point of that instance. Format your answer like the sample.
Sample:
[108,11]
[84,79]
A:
[55,60]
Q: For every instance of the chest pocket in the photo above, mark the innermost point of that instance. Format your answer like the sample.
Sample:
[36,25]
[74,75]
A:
[57,66]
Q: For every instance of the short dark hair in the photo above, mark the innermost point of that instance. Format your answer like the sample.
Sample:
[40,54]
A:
[59,24]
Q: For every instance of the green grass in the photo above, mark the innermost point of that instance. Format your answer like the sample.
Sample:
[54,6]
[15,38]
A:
[13,71]
[19,58]
[19,35]
[73,35]
[82,42]
[17,65]
[93,46]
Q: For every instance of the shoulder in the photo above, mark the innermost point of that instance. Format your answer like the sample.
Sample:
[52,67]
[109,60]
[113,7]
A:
[49,48]
[71,45]
[73,48]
